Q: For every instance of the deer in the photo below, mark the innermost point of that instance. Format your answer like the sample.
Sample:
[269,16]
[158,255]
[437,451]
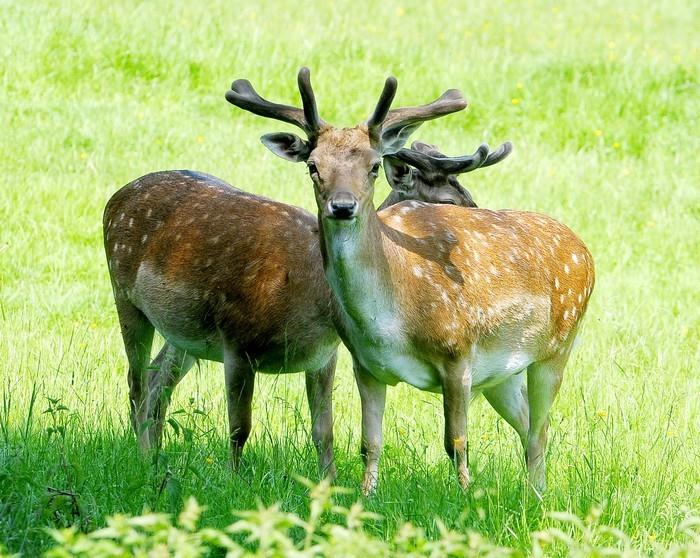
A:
[448,299]
[232,277]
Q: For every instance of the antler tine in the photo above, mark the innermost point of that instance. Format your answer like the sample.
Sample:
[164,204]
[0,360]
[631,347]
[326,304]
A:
[308,99]
[375,122]
[498,155]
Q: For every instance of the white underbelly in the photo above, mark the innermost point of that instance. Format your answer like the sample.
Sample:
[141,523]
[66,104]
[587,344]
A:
[490,368]
[392,366]
[396,362]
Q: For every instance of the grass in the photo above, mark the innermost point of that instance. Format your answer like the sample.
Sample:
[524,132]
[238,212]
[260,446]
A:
[602,103]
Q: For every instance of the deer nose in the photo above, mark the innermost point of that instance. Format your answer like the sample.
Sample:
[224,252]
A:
[343,205]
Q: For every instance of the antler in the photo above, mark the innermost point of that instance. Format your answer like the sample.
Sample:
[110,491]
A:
[392,128]
[376,121]
[427,158]
[244,96]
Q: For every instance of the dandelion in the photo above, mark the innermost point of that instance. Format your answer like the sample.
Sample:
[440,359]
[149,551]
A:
[515,101]
[602,414]
[519,85]
[598,133]
[611,44]
[616,145]
[93,325]
[83,155]
[140,115]
[400,11]
[200,139]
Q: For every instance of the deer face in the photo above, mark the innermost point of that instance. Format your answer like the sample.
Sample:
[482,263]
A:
[343,167]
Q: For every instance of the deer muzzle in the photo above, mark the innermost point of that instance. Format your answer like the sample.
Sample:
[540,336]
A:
[342,205]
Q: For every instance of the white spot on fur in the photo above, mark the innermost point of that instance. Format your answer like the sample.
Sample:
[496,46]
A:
[566,315]
[149,213]
[556,283]
[144,238]
[121,217]
[574,257]
[566,268]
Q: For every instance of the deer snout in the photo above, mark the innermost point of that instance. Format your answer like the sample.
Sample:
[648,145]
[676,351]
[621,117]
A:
[342,205]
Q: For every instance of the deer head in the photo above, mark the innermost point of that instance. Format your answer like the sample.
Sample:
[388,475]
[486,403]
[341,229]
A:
[343,162]
[425,173]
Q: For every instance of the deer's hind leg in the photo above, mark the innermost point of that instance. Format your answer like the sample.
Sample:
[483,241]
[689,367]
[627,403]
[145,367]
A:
[166,371]
[543,381]
[137,333]
[509,400]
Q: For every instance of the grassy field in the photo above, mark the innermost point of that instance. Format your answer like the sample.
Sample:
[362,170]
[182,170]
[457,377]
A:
[602,102]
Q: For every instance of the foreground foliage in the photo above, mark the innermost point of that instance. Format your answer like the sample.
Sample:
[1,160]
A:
[332,530]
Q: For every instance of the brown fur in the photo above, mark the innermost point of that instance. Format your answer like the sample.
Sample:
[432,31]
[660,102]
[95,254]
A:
[484,257]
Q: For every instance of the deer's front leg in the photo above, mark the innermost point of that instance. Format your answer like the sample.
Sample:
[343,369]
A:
[319,391]
[373,398]
[456,392]
[240,379]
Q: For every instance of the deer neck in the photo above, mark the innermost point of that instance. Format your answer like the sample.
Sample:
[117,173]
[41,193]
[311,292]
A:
[356,265]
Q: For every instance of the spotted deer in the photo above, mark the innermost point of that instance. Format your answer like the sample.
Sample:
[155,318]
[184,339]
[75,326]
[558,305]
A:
[448,299]
[229,276]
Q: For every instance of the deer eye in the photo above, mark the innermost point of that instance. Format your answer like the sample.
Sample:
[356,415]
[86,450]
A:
[313,171]
[375,169]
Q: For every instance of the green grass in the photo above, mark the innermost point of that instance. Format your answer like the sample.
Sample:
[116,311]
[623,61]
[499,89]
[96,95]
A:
[602,102]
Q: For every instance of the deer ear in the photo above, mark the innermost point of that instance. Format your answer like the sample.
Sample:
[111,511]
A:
[288,146]
[398,174]
[394,138]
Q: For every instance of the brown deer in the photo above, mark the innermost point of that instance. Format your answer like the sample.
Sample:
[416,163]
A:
[232,277]
[448,299]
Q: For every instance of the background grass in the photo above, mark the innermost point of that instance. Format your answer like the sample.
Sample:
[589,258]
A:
[602,102]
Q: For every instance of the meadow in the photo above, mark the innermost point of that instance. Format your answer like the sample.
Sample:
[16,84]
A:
[602,103]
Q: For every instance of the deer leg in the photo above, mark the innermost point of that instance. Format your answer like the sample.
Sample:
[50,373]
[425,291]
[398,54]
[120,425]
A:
[509,400]
[456,393]
[167,369]
[240,379]
[319,391]
[373,398]
[543,381]
[137,333]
